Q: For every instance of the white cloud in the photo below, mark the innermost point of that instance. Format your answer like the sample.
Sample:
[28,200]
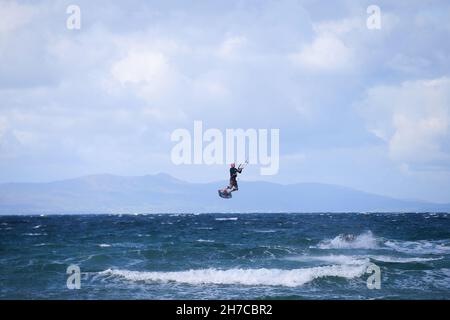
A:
[147,69]
[339,27]
[13,16]
[328,51]
[211,88]
[413,118]
[229,47]
[408,64]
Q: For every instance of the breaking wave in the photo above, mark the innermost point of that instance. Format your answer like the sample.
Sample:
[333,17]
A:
[250,277]
[365,240]
[360,259]
[419,247]
[403,260]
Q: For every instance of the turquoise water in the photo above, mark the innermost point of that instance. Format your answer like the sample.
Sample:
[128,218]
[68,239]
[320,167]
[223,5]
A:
[226,256]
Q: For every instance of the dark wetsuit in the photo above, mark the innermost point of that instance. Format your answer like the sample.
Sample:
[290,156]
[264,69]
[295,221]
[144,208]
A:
[233,176]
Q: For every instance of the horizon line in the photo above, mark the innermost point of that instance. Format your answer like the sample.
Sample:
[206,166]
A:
[219,181]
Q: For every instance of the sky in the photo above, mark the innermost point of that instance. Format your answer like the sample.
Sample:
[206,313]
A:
[358,107]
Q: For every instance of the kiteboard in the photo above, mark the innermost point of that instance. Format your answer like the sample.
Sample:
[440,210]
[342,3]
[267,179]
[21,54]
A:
[223,193]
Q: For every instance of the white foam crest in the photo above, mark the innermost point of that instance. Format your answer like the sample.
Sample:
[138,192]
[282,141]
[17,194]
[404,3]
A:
[403,260]
[226,219]
[419,247]
[359,259]
[250,277]
[205,240]
[104,245]
[41,244]
[365,240]
[335,259]
[264,231]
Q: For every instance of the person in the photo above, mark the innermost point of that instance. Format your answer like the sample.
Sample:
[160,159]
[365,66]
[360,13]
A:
[233,177]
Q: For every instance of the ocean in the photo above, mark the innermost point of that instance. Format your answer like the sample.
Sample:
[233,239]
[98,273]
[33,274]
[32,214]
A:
[226,256]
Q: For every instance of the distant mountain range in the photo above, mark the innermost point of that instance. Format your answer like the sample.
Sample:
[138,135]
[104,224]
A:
[162,193]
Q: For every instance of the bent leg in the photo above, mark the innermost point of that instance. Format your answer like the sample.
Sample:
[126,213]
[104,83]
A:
[233,184]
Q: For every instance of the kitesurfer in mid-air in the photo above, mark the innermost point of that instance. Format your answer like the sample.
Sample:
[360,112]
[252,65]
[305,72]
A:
[233,177]
[226,192]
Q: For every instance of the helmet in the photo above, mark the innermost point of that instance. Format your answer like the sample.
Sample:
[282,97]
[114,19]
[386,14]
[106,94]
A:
[233,165]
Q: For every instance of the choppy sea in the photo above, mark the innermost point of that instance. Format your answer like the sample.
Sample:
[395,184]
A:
[226,256]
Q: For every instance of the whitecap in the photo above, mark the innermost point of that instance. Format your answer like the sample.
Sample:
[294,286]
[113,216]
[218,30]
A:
[41,244]
[237,276]
[358,259]
[335,259]
[403,260]
[365,240]
[418,247]
[265,231]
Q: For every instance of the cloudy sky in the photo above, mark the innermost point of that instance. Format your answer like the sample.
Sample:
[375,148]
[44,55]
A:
[368,109]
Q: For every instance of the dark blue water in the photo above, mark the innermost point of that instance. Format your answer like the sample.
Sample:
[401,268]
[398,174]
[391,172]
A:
[224,256]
